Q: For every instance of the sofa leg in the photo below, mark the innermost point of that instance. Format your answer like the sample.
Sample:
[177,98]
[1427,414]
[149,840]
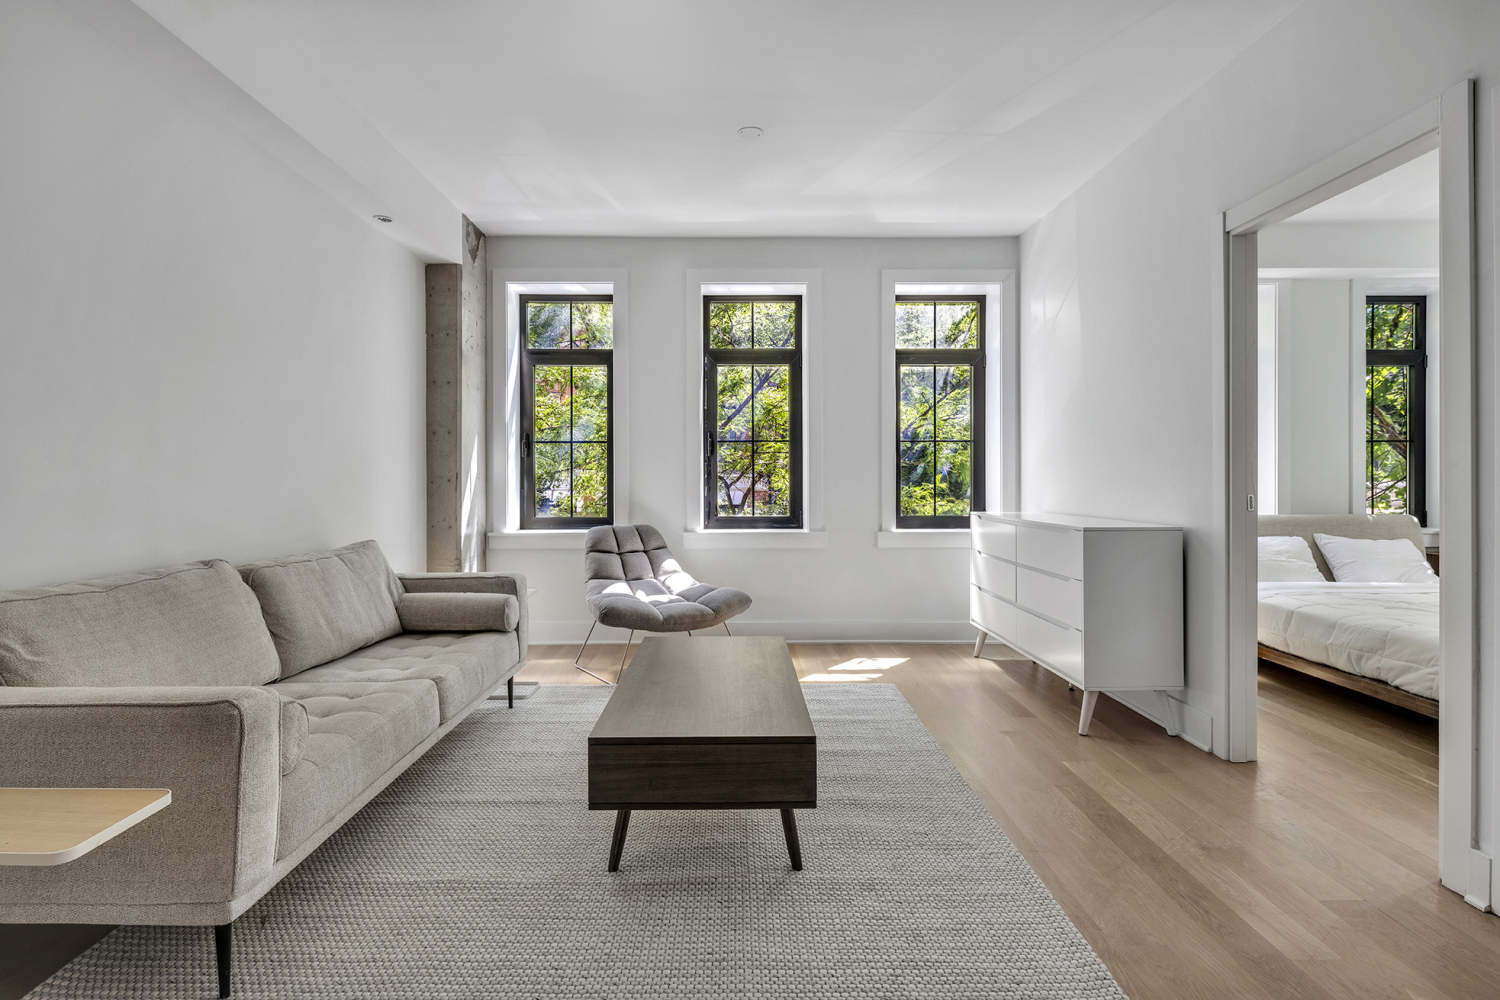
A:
[222,951]
[726,629]
[510,692]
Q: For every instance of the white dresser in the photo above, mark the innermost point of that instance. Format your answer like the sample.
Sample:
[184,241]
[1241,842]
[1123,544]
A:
[1096,601]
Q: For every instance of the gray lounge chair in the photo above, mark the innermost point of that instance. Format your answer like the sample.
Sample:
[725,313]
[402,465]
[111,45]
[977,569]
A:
[633,581]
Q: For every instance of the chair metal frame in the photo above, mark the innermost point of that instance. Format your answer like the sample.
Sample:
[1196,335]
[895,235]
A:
[577,660]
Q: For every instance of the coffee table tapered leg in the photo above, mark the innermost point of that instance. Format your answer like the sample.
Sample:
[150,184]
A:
[793,845]
[622,821]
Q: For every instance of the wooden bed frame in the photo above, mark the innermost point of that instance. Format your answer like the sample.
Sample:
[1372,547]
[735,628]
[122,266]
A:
[1379,690]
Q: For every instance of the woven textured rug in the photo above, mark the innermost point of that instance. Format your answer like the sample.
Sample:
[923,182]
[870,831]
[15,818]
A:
[479,873]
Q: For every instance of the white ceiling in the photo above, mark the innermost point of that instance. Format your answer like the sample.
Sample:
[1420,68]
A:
[1409,193]
[597,117]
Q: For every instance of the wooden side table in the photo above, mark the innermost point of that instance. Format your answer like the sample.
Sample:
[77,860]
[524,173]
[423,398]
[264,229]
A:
[52,826]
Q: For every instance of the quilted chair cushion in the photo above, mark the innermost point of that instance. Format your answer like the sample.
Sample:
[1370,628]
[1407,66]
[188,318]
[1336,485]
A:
[634,582]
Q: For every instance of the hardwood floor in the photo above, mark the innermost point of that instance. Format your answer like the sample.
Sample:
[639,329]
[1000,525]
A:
[1311,873]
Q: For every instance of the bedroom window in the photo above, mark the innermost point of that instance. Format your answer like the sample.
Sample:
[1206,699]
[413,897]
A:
[1396,405]
[752,399]
[939,410]
[567,390]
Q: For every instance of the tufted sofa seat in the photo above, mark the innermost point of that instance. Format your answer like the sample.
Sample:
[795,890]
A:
[634,582]
[460,667]
[355,733]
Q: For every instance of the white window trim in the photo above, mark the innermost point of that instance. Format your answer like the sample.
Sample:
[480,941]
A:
[1002,403]
[762,281]
[507,285]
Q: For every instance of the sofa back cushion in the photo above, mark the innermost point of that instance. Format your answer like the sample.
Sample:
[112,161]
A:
[324,605]
[189,625]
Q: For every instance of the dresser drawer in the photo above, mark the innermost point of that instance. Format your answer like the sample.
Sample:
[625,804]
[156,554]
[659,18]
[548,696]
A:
[994,575]
[1061,648]
[992,614]
[993,538]
[1059,552]
[1058,599]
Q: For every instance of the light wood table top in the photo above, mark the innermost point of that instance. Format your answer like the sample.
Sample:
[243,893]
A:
[52,826]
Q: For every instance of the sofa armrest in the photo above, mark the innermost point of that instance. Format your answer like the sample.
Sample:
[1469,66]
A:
[513,584]
[216,748]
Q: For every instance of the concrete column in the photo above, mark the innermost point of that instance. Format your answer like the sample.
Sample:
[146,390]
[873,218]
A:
[457,373]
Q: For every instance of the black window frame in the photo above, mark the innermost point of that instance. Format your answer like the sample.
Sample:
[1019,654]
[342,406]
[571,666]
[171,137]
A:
[934,356]
[1415,360]
[713,359]
[530,359]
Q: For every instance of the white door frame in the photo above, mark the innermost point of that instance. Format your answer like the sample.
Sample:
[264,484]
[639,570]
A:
[1445,124]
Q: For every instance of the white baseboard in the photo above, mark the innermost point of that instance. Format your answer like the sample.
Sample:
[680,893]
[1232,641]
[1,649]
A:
[545,633]
[1192,724]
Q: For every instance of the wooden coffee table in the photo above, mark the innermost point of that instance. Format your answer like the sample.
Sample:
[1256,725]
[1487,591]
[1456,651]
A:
[705,723]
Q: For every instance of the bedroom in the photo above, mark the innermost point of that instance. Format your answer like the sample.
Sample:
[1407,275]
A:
[1348,460]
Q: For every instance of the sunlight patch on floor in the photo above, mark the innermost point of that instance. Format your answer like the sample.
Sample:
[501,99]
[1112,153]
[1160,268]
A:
[861,668]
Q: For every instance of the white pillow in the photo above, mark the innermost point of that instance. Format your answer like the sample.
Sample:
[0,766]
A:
[1375,560]
[1285,559]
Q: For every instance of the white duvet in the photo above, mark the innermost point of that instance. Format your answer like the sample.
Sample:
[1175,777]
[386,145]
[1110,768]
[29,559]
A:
[1388,631]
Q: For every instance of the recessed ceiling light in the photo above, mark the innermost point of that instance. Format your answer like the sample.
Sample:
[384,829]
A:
[752,131]
[384,218]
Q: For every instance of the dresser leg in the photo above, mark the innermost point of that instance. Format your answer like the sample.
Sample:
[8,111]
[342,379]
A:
[1090,698]
[1166,713]
[622,823]
[979,643]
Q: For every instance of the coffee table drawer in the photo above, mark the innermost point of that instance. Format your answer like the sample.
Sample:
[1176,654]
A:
[702,775]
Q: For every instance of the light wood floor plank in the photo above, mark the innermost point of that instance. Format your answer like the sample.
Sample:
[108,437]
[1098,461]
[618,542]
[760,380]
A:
[1310,873]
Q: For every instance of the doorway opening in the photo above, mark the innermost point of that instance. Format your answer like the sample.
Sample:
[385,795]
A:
[1330,355]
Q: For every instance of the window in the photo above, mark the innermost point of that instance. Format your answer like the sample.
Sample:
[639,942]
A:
[567,392]
[939,410]
[752,399]
[1396,405]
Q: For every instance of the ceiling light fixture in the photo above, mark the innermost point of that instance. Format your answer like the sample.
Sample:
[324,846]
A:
[752,132]
[384,218]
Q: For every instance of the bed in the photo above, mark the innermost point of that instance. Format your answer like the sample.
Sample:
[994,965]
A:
[1380,639]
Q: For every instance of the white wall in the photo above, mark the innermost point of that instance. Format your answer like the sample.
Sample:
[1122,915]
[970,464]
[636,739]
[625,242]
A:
[201,354]
[1381,246]
[1314,354]
[1123,298]
[848,589]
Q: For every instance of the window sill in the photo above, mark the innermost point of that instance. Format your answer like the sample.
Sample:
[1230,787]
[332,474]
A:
[755,538]
[923,538]
[558,538]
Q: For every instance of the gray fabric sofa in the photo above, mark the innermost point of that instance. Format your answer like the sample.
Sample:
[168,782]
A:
[273,701]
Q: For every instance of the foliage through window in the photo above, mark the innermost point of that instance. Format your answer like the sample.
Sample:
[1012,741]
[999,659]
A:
[939,411]
[1396,405]
[567,366]
[752,393]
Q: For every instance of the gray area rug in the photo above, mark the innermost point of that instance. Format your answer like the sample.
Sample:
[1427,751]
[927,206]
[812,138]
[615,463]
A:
[479,873]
